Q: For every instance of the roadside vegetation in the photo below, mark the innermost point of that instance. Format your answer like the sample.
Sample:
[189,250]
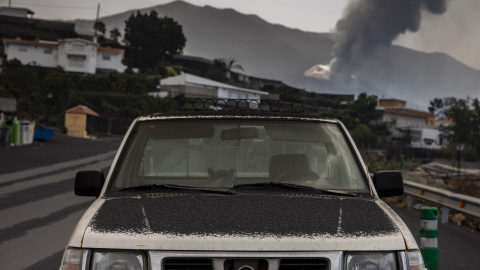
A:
[381,163]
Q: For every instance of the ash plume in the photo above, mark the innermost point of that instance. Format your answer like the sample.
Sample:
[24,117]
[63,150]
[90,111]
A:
[370,24]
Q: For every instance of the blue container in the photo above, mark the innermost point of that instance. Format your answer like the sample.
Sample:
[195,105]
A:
[42,133]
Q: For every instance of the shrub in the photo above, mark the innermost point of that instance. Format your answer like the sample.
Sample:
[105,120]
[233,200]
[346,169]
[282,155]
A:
[380,163]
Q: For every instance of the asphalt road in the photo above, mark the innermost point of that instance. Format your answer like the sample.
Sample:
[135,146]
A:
[459,248]
[38,210]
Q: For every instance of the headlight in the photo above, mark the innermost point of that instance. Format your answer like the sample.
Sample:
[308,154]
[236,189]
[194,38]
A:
[371,261]
[414,260]
[76,259]
[118,260]
[73,259]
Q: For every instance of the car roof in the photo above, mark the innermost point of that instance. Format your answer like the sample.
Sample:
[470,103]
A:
[244,115]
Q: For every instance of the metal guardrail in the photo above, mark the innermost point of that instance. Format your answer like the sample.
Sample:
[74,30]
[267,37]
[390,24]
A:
[446,199]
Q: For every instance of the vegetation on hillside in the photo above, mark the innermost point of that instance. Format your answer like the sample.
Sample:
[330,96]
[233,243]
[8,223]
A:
[43,95]
[465,114]
[150,39]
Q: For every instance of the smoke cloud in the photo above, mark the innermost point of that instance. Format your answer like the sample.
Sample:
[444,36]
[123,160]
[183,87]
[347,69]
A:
[370,24]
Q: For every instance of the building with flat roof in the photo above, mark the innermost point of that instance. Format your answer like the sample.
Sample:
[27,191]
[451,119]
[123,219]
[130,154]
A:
[16,12]
[395,110]
[191,86]
[73,55]
[420,125]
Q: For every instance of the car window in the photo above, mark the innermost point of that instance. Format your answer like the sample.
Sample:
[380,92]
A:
[225,153]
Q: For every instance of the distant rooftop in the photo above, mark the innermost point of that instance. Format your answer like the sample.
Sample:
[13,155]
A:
[32,42]
[408,112]
[57,43]
[189,79]
[110,50]
[81,109]
[16,12]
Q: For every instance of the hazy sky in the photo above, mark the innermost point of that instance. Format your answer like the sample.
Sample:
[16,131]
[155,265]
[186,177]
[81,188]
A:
[308,15]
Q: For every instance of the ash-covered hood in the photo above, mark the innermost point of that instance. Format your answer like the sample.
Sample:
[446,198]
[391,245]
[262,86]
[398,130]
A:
[243,222]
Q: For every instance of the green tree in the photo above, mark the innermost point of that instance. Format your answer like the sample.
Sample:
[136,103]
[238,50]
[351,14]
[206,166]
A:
[55,95]
[476,121]
[464,118]
[439,107]
[115,33]
[5,93]
[100,27]
[150,39]
[363,137]
[364,108]
[465,114]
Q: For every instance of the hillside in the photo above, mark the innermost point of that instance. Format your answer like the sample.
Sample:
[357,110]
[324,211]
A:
[277,52]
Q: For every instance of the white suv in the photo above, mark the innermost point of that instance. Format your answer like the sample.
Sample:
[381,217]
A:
[239,191]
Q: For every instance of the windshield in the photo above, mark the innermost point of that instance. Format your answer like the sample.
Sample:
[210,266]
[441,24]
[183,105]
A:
[228,153]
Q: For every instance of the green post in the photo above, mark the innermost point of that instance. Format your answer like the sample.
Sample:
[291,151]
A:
[14,127]
[429,237]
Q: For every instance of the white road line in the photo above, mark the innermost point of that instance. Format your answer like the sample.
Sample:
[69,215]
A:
[49,179]
[54,167]
[38,243]
[38,209]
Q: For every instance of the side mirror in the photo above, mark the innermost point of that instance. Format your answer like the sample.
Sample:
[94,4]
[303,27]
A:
[388,183]
[89,183]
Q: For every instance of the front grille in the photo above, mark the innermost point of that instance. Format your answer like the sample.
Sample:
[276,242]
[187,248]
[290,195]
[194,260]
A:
[188,264]
[246,260]
[304,264]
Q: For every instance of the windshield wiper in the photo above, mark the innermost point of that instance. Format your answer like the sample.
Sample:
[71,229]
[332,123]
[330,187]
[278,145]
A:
[339,192]
[295,186]
[170,186]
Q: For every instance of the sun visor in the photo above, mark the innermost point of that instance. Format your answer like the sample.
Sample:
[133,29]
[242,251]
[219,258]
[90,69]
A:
[184,130]
[303,132]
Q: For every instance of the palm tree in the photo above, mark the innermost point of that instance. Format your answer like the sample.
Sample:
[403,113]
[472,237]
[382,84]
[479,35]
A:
[100,27]
[230,63]
[115,33]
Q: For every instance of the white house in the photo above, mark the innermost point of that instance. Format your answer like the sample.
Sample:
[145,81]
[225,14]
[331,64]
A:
[191,86]
[39,52]
[16,12]
[426,138]
[110,59]
[77,55]
[420,124]
[73,55]
[395,110]
[407,118]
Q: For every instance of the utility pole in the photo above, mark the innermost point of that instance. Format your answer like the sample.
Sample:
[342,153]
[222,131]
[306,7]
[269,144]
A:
[96,21]
[98,12]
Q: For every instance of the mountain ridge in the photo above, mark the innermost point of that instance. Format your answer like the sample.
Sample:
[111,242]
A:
[277,52]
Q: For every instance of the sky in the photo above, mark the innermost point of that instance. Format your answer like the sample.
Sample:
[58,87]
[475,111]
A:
[307,15]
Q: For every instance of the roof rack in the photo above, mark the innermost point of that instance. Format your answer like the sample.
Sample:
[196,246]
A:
[237,105]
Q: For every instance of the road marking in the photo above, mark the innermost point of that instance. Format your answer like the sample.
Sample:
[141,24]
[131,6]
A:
[36,244]
[39,208]
[53,178]
[9,177]
[20,229]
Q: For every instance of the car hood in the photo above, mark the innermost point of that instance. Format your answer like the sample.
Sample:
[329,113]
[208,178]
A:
[243,222]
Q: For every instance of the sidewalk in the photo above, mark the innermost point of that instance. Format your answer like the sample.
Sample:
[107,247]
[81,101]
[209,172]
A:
[59,148]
